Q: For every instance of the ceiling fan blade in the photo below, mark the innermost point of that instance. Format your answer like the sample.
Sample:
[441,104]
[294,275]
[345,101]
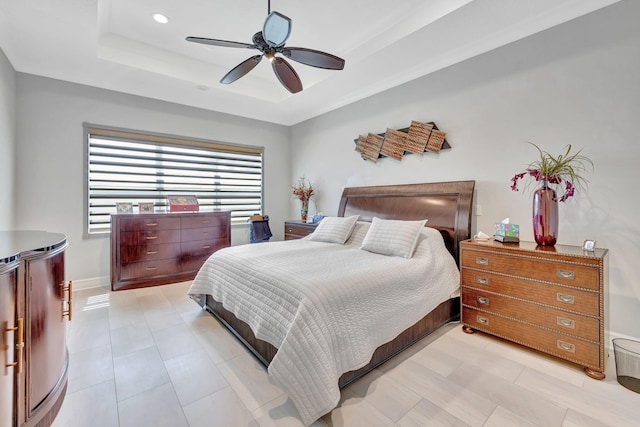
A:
[286,74]
[223,43]
[241,69]
[315,58]
[276,29]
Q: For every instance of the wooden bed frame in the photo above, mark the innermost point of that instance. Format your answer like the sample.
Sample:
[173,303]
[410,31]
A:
[447,206]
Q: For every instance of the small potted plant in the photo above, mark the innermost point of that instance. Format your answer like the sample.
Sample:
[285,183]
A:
[565,171]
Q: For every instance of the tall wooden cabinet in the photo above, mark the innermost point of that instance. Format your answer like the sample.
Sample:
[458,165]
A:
[35,305]
[552,299]
[9,354]
[156,249]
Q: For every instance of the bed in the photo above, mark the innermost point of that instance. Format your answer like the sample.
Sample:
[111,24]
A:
[310,366]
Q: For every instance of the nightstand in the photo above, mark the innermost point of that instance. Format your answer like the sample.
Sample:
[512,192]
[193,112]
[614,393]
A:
[296,229]
[548,298]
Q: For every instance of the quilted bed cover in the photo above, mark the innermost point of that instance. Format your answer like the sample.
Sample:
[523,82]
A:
[325,306]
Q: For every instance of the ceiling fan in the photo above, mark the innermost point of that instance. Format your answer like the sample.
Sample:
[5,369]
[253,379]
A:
[271,41]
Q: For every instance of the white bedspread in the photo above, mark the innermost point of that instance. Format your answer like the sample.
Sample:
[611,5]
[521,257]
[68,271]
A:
[325,306]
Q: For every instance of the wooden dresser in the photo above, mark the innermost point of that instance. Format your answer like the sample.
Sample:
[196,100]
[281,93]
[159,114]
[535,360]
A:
[156,249]
[551,299]
[296,229]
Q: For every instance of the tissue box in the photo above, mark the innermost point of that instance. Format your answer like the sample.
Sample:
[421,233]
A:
[510,230]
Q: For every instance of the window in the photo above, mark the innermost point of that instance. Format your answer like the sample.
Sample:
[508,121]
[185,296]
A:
[124,166]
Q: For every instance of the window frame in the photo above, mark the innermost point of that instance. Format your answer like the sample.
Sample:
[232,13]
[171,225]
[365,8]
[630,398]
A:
[161,139]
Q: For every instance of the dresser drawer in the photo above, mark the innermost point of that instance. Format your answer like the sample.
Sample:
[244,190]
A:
[198,221]
[136,270]
[577,325]
[150,237]
[193,263]
[557,344]
[208,233]
[574,275]
[296,231]
[194,254]
[202,247]
[150,222]
[581,301]
[150,252]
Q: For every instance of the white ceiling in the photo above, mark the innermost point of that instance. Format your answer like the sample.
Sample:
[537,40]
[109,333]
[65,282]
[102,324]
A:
[115,44]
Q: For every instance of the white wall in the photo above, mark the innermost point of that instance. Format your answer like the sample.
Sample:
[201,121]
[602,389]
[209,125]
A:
[7,140]
[50,162]
[575,84]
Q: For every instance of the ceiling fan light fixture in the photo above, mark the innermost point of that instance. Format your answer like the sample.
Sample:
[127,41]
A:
[270,54]
[160,18]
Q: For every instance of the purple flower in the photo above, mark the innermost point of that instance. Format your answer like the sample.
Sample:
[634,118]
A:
[569,188]
[554,170]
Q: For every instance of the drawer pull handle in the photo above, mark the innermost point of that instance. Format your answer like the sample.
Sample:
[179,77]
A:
[69,302]
[151,237]
[482,260]
[482,300]
[206,246]
[205,232]
[152,268]
[566,274]
[152,252]
[151,224]
[569,299]
[482,280]
[289,230]
[567,323]
[566,346]
[19,346]
[482,320]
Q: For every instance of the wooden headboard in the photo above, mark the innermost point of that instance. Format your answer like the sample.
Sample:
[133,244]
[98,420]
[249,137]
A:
[447,206]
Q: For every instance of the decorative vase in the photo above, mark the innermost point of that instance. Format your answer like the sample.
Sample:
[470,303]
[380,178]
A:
[545,215]
[304,209]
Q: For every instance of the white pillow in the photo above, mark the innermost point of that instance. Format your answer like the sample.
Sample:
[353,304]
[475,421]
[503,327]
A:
[393,237]
[334,229]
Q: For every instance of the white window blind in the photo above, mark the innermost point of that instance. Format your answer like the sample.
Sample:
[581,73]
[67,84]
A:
[134,167]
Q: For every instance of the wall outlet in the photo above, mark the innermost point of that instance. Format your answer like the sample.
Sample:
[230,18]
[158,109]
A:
[478,210]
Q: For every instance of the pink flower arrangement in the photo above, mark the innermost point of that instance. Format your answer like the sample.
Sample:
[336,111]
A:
[565,168]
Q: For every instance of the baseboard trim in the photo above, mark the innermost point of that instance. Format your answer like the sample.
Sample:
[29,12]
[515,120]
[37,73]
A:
[94,282]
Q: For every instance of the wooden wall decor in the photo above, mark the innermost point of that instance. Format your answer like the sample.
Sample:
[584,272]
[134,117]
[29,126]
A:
[416,139]
[393,144]
[372,146]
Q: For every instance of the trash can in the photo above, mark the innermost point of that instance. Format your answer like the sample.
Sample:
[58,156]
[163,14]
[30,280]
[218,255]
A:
[627,355]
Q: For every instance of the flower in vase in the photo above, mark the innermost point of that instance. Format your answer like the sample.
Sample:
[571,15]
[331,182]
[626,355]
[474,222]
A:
[564,170]
[303,190]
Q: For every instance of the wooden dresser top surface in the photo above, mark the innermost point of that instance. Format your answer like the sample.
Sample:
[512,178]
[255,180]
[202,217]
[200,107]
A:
[534,248]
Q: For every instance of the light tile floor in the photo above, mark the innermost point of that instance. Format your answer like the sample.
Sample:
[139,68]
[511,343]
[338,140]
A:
[151,357]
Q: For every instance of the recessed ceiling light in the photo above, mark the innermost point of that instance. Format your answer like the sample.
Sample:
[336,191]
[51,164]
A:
[160,18]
